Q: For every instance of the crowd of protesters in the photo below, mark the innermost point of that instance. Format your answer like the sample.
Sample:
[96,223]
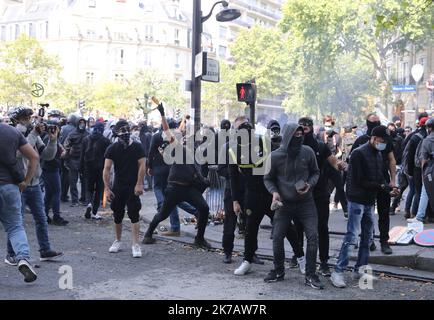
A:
[46,161]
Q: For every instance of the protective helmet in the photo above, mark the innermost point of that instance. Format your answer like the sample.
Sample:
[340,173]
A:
[19,112]
[430,123]
[55,113]
[72,119]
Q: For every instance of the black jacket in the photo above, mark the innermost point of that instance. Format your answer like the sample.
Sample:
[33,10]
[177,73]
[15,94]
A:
[365,175]
[93,150]
[145,139]
[74,142]
[410,151]
[155,159]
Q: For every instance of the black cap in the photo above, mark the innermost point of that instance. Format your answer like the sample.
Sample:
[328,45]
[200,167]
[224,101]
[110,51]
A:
[225,124]
[272,124]
[380,132]
[120,124]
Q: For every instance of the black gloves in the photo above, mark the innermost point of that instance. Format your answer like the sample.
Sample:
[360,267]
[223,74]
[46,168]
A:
[160,108]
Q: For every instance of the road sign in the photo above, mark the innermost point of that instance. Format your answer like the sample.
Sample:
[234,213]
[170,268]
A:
[200,64]
[403,88]
[212,71]
[425,238]
[417,72]
[37,90]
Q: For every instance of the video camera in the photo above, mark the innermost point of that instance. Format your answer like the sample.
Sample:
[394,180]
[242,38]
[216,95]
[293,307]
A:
[41,111]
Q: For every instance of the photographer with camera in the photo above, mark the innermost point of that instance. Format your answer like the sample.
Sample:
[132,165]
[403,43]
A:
[73,146]
[32,193]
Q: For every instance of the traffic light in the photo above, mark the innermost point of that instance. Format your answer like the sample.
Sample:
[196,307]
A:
[82,104]
[246,92]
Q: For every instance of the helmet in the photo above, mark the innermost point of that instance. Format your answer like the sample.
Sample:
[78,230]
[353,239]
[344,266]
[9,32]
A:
[72,119]
[430,123]
[19,112]
[55,113]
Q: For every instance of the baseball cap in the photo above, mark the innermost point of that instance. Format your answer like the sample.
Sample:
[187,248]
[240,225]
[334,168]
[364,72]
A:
[380,132]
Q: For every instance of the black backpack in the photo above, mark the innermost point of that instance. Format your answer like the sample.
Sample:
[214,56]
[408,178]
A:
[405,155]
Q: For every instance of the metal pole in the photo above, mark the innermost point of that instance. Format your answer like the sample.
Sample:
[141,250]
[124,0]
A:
[196,48]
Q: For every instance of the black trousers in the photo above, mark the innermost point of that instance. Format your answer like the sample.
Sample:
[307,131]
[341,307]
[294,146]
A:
[64,177]
[337,180]
[417,179]
[175,194]
[229,223]
[383,208]
[403,184]
[95,186]
[323,212]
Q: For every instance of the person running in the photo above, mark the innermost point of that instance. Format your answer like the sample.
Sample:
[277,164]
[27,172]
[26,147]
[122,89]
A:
[128,159]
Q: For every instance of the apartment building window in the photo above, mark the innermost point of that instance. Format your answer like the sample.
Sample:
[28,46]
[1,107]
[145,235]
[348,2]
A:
[92,3]
[189,38]
[17,31]
[11,33]
[403,73]
[177,42]
[223,32]
[222,51]
[3,33]
[147,58]
[46,30]
[90,76]
[119,55]
[149,33]
[31,30]
[119,77]
[177,64]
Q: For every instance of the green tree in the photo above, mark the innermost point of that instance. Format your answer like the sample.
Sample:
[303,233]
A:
[23,62]
[321,31]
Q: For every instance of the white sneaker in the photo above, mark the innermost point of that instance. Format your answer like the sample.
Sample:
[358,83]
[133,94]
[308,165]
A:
[116,247]
[338,280]
[137,252]
[243,269]
[412,220]
[302,264]
[96,217]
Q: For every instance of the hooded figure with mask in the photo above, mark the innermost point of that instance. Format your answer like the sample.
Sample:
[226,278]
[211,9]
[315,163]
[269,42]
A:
[73,145]
[389,172]
[293,175]
[92,164]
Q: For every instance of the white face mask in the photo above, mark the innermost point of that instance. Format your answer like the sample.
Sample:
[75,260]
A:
[135,133]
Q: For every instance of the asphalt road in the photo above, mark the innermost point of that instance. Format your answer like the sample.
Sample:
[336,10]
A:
[167,270]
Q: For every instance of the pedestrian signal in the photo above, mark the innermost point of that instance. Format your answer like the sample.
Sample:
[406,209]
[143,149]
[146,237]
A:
[246,92]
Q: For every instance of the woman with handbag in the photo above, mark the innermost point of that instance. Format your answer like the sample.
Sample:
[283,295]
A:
[185,183]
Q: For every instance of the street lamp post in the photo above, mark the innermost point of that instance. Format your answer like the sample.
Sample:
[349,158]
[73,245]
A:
[224,15]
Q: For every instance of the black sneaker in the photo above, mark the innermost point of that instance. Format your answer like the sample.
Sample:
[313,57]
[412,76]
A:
[345,215]
[392,212]
[256,260]
[272,276]
[59,221]
[27,271]
[228,258]
[324,270]
[11,260]
[64,199]
[74,204]
[372,247]
[50,255]
[385,248]
[314,282]
[148,240]
[88,211]
[407,215]
[202,243]
[293,263]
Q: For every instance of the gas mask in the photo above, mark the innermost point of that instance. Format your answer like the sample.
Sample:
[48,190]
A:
[275,133]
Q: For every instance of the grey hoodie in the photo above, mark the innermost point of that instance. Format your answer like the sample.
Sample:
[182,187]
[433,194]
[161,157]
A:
[48,153]
[286,171]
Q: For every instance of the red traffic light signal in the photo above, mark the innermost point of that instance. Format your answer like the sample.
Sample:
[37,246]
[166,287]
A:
[246,92]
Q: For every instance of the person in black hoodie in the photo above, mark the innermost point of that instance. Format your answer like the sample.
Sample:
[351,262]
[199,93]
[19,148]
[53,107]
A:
[92,164]
[145,138]
[383,197]
[73,145]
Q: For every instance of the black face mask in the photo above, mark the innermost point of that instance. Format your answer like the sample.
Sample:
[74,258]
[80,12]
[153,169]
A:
[295,146]
[371,126]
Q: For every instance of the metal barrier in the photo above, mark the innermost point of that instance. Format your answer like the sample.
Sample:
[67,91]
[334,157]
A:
[215,193]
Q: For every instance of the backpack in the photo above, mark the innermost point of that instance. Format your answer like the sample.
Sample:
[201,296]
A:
[406,151]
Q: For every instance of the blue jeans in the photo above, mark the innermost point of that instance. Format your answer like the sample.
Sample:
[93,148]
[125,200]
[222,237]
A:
[32,196]
[52,192]
[360,217]
[12,220]
[423,204]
